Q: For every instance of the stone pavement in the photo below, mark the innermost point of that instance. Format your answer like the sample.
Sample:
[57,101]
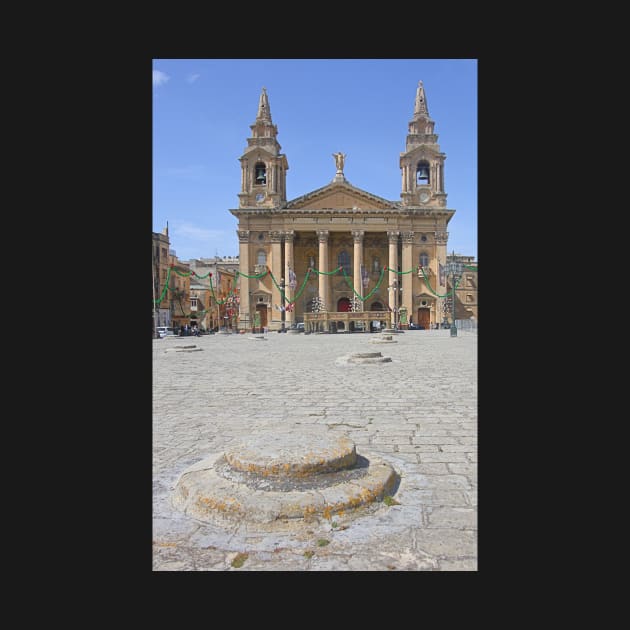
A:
[418,413]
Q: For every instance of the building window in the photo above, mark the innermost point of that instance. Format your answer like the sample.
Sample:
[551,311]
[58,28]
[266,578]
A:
[261,174]
[193,302]
[424,259]
[343,261]
[262,258]
[469,298]
[376,265]
[470,281]
[422,173]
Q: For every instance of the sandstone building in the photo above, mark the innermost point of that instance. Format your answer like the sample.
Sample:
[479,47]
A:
[341,227]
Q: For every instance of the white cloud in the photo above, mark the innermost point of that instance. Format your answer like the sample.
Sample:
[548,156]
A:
[192,78]
[194,171]
[188,230]
[159,78]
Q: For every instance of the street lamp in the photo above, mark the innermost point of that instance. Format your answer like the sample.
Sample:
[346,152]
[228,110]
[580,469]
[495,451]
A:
[283,313]
[455,268]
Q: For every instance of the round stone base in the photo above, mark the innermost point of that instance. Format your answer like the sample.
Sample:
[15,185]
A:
[364,357]
[202,492]
[295,454]
[291,473]
[178,348]
[383,339]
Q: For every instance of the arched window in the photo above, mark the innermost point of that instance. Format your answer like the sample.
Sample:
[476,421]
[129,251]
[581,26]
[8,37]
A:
[262,257]
[424,259]
[261,173]
[422,173]
[343,261]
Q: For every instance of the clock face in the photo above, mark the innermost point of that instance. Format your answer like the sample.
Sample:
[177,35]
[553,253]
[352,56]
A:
[260,197]
[424,196]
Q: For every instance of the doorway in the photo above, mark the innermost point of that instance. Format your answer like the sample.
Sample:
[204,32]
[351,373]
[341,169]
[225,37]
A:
[261,309]
[424,318]
[343,305]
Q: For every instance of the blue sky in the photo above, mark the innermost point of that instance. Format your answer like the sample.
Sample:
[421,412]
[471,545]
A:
[202,110]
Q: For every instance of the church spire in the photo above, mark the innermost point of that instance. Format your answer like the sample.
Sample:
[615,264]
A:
[263,167]
[264,113]
[422,163]
[421,107]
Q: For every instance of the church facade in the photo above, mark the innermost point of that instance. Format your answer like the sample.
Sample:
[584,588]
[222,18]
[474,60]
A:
[340,250]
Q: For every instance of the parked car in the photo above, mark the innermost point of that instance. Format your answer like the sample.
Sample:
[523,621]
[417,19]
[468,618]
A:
[300,326]
[165,331]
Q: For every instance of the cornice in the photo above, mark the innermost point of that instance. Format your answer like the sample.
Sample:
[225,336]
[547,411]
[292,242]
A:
[401,211]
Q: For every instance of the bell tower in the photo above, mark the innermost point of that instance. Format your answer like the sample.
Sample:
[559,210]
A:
[422,164]
[263,167]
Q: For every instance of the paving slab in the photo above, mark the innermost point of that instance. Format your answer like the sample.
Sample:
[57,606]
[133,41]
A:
[413,413]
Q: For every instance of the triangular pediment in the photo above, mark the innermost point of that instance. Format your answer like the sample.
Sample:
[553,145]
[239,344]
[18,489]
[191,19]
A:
[341,196]
[424,151]
[262,151]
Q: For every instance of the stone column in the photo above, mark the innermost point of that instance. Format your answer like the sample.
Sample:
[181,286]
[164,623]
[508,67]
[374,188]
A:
[245,318]
[289,264]
[407,279]
[322,265]
[441,239]
[277,271]
[357,235]
[392,264]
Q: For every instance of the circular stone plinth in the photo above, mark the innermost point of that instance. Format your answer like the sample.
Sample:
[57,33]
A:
[383,339]
[202,492]
[364,357]
[298,453]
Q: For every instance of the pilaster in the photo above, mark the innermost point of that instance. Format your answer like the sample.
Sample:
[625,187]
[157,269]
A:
[244,315]
[407,279]
[277,271]
[357,281]
[392,237]
[289,266]
[324,280]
